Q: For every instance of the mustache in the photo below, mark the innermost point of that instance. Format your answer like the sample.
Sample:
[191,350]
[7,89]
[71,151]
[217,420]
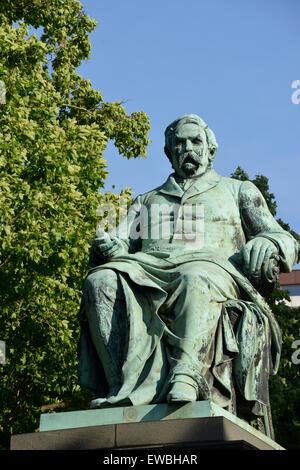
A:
[190,157]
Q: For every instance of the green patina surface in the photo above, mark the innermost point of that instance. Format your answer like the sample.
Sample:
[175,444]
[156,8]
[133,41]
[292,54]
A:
[136,414]
[182,318]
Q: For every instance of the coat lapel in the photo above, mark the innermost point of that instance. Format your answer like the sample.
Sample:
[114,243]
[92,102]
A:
[171,187]
[201,184]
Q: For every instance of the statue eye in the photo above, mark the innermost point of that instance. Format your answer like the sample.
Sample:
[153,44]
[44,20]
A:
[197,141]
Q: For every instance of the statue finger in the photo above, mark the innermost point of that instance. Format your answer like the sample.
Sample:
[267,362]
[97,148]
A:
[260,259]
[106,246]
[111,250]
[98,242]
[254,258]
[110,253]
[269,251]
[247,255]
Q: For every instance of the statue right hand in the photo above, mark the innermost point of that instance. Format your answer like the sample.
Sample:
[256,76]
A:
[106,248]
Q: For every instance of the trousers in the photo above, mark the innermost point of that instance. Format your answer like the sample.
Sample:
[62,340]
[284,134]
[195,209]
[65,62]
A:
[195,292]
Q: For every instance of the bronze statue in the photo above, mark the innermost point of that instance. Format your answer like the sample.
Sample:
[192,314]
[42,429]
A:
[173,307]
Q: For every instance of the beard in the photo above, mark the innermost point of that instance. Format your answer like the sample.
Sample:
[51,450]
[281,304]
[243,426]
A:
[190,162]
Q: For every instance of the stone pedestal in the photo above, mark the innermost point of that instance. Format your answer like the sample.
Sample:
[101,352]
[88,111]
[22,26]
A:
[200,425]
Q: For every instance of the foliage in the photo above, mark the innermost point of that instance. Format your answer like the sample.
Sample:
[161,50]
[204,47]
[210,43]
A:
[54,128]
[285,386]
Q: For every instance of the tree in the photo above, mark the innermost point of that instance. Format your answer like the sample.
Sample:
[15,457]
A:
[54,128]
[285,386]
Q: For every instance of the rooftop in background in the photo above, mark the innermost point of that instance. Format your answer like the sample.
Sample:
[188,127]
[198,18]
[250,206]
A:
[291,282]
[290,279]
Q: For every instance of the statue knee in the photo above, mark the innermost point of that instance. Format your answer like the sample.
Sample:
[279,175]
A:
[101,280]
[196,280]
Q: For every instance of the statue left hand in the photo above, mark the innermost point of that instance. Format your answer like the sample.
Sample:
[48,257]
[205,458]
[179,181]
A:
[256,252]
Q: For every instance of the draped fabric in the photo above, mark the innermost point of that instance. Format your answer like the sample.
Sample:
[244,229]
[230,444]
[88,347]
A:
[145,371]
[167,306]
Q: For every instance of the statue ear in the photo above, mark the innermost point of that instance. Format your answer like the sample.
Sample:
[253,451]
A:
[212,151]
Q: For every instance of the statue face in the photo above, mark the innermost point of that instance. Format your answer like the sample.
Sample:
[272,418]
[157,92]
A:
[189,152]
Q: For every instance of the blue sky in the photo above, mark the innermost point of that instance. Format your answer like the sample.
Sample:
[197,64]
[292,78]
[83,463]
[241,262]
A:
[230,61]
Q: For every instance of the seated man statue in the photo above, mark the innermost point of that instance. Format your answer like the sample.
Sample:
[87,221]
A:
[172,309]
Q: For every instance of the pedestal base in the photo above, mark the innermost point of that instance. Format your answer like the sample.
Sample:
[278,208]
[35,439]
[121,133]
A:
[200,425]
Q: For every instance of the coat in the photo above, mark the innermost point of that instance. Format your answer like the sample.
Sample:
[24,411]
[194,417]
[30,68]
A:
[232,213]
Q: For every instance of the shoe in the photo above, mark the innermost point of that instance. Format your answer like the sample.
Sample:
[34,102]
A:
[184,389]
[97,403]
[102,402]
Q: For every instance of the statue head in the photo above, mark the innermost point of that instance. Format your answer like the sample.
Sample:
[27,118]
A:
[190,146]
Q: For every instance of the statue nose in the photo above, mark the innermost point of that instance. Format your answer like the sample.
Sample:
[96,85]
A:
[188,145]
